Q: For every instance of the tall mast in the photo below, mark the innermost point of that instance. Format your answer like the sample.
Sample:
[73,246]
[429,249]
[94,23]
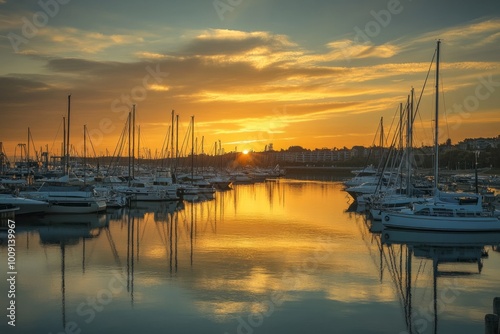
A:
[67,140]
[129,146]
[84,154]
[400,125]
[436,116]
[1,157]
[133,141]
[172,136]
[409,142]
[176,139]
[28,153]
[138,144]
[381,141]
[192,149]
[63,151]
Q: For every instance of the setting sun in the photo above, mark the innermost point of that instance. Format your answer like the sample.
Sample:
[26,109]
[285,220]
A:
[245,152]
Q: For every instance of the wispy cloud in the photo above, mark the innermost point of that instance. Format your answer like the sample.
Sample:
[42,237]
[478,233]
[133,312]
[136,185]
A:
[235,79]
[469,36]
[69,39]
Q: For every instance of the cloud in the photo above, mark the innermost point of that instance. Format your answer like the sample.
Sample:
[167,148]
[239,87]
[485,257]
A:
[69,39]
[234,79]
[469,36]
[230,42]
[347,50]
[259,48]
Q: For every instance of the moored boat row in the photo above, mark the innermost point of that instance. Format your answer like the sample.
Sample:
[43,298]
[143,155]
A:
[396,202]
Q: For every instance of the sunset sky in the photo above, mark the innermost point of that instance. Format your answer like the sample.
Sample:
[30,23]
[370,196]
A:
[315,73]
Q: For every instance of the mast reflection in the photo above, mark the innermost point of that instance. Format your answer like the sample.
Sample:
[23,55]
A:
[458,249]
[67,230]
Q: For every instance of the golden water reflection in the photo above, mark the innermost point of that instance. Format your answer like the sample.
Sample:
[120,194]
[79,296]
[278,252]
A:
[286,248]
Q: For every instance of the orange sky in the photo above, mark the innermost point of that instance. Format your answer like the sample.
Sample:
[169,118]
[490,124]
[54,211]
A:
[247,86]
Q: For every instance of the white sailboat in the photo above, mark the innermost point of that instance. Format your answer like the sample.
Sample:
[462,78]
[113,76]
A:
[444,211]
[397,199]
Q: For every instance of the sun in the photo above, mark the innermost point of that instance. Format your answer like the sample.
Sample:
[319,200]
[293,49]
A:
[245,152]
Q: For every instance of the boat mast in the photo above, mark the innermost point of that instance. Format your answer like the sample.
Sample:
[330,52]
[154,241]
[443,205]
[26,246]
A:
[436,133]
[28,153]
[172,137]
[176,140]
[84,154]
[67,140]
[63,151]
[138,146]
[133,141]
[192,149]
[129,147]
[410,143]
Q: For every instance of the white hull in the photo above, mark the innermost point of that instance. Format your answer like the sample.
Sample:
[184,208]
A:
[440,238]
[155,193]
[73,202]
[377,213]
[76,205]
[26,206]
[440,223]
[394,203]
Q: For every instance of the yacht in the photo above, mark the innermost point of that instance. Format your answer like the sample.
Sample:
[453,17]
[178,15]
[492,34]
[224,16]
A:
[26,206]
[67,199]
[445,212]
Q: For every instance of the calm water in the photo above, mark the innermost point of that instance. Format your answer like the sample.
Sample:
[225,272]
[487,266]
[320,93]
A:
[276,257]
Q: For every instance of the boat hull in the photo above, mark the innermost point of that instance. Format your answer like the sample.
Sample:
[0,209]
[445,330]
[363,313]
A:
[76,206]
[440,238]
[439,223]
[26,206]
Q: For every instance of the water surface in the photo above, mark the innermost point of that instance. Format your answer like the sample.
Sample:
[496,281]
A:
[285,256]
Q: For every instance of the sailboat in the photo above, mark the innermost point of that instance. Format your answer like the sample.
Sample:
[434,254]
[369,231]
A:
[444,211]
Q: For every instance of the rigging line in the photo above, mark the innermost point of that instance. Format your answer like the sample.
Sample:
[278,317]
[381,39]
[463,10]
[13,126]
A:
[422,91]
[185,141]
[91,144]
[34,147]
[57,133]
[392,124]
[389,160]
[120,144]
[164,148]
[444,106]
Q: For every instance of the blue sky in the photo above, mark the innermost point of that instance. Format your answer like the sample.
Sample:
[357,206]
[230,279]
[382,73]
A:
[251,71]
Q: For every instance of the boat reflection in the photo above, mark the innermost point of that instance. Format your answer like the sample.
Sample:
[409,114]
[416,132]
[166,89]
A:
[68,230]
[451,253]
[160,210]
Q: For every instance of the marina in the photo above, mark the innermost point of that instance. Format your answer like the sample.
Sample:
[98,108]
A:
[250,167]
[275,256]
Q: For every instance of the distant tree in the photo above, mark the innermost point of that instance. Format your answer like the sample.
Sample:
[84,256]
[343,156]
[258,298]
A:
[296,149]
